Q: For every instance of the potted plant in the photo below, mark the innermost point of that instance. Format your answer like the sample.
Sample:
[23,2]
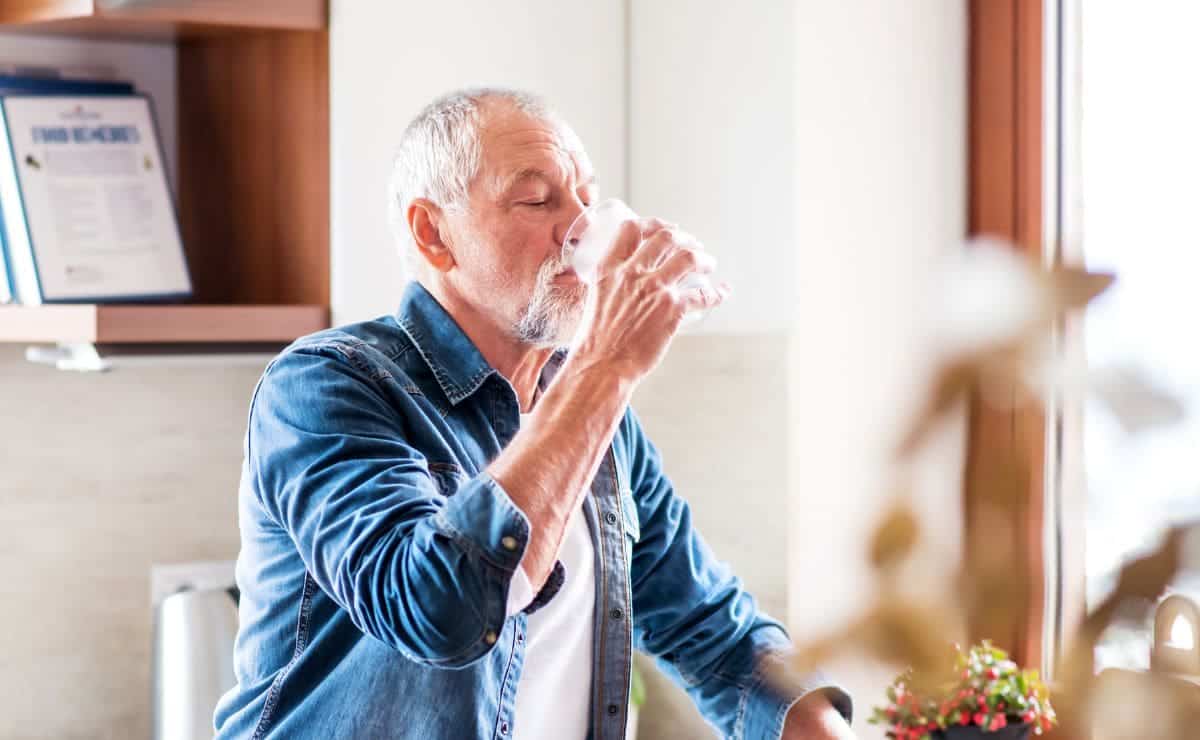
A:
[986,696]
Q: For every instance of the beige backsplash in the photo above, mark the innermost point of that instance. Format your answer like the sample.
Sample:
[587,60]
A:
[104,474]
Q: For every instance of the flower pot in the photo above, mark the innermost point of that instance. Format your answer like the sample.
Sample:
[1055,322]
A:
[972,732]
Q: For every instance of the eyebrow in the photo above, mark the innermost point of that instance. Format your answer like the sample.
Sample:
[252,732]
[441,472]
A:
[534,173]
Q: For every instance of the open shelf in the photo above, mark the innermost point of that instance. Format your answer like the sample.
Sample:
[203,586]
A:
[252,191]
[160,19]
[154,324]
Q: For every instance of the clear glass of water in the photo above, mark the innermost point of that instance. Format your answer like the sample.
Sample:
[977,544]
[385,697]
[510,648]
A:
[592,234]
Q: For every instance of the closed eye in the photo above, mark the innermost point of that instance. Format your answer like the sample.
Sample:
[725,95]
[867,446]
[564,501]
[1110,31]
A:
[533,203]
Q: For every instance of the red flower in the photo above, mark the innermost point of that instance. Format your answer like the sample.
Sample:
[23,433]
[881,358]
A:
[984,696]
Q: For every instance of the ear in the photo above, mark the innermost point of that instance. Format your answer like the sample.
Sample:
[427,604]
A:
[425,220]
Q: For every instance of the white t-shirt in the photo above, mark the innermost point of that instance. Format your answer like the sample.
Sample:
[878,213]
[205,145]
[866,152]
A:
[554,693]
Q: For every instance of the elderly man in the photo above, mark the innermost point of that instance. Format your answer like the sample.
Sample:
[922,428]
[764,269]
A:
[453,528]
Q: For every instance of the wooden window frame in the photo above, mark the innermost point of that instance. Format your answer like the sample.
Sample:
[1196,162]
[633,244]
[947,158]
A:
[1007,199]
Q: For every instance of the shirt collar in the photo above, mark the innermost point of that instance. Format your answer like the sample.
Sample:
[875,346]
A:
[453,358]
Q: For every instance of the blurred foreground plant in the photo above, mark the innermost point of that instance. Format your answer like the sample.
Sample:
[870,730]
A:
[998,322]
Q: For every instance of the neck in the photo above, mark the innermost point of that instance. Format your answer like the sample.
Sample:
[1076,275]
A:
[521,364]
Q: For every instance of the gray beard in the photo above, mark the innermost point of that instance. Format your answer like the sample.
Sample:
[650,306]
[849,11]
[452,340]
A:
[552,314]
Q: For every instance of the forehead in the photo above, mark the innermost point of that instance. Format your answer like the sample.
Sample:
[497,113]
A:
[512,141]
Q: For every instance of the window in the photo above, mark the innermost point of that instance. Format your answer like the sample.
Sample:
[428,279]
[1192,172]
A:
[1139,193]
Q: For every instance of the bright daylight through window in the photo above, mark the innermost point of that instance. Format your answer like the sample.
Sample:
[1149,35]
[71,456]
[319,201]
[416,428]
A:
[1140,193]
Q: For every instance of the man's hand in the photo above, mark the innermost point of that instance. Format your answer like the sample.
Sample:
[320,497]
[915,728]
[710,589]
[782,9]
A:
[635,307]
[814,718]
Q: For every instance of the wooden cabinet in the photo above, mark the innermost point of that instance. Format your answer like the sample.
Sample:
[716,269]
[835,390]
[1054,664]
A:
[253,168]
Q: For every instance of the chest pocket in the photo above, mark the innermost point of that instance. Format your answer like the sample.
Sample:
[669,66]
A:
[447,476]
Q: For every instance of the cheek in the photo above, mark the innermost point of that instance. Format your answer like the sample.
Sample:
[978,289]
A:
[511,250]
[506,273]
[525,250]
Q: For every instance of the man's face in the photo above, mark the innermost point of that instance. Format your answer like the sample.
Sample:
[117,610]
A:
[534,178]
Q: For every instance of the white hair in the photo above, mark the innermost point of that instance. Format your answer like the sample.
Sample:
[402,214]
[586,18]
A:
[438,156]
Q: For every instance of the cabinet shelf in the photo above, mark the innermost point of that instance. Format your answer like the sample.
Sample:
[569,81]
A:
[159,324]
[252,102]
[160,19]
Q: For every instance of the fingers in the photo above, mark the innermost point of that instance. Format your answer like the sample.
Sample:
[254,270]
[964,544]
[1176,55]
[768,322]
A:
[684,261]
[628,237]
[674,260]
[702,295]
[651,226]
[627,245]
[654,250]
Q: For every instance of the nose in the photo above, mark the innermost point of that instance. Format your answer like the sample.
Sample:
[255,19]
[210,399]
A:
[574,223]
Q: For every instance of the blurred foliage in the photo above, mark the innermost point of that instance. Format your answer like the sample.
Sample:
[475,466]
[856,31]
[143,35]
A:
[912,631]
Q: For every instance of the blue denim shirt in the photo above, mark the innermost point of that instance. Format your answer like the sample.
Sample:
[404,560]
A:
[377,554]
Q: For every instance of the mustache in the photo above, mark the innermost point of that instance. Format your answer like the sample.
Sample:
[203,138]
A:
[552,267]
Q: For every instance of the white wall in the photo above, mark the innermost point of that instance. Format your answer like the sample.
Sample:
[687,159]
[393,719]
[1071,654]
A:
[712,144]
[881,187]
[387,60]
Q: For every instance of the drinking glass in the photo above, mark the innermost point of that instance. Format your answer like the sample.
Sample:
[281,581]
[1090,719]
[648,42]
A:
[592,234]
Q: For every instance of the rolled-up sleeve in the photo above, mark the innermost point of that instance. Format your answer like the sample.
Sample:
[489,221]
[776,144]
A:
[426,574]
[696,618]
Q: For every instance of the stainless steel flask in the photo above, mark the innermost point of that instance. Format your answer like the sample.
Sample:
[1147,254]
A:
[194,631]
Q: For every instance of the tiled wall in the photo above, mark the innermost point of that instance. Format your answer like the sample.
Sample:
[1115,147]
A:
[102,476]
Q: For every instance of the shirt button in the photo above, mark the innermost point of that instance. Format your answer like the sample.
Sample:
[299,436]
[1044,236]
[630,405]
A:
[509,543]
[490,638]
[613,709]
[616,614]
[610,517]
[503,728]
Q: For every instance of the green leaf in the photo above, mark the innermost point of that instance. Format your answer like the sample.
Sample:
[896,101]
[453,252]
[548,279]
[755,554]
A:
[637,689]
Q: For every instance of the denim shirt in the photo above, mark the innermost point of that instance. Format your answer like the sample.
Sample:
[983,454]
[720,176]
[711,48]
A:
[377,551]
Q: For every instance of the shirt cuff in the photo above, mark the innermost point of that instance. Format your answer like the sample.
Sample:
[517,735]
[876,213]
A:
[483,516]
[776,689]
